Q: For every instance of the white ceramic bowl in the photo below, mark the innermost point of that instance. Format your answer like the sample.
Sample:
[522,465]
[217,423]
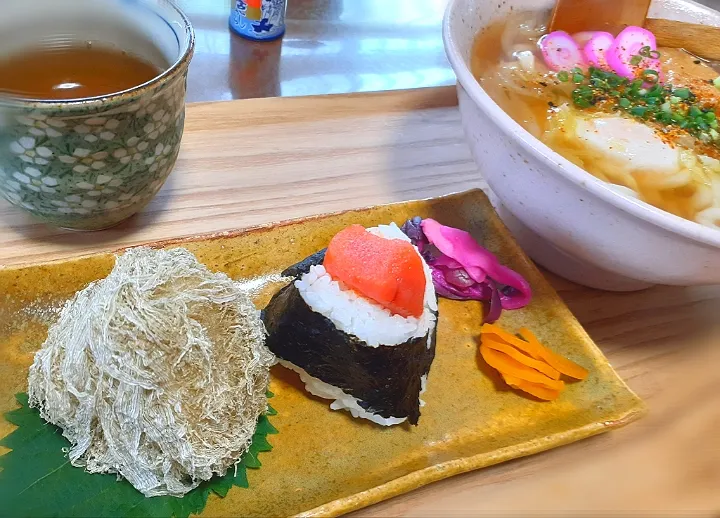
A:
[566,219]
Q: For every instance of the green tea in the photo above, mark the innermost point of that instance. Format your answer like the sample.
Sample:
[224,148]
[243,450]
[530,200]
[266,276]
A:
[72,71]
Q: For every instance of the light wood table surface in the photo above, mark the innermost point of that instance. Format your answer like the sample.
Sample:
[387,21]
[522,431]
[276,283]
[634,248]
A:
[254,162]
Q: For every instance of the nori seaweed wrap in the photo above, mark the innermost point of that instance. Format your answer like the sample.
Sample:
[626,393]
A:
[373,364]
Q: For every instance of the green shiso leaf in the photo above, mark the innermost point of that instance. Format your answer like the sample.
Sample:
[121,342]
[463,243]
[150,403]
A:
[36,478]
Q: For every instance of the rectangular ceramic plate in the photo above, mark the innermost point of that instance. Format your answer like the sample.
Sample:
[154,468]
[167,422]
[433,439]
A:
[325,463]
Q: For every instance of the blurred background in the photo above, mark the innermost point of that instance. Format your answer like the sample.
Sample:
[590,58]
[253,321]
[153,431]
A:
[330,47]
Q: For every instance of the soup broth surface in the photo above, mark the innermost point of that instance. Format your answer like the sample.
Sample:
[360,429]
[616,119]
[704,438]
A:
[72,71]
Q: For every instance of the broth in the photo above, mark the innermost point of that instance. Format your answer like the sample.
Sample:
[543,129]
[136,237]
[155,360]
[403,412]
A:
[73,71]
[507,63]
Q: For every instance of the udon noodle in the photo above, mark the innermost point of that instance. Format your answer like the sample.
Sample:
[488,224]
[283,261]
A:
[661,165]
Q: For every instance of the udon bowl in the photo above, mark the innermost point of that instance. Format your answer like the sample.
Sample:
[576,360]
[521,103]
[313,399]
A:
[567,220]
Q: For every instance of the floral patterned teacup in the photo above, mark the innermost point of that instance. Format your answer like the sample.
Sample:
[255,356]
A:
[89,164]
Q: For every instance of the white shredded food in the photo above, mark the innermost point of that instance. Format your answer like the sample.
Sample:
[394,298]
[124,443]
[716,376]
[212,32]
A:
[157,373]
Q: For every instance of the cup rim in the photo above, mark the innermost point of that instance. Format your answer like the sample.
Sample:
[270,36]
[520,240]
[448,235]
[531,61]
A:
[179,64]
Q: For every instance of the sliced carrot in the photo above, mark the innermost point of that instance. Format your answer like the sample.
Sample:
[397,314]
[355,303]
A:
[546,369]
[533,349]
[532,346]
[539,391]
[563,365]
[507,365]
[525,363]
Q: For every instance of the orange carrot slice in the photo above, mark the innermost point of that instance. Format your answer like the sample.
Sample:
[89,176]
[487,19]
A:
[546,369]
[525,363]
[532,346]
[507,365]
[563,365]
[539,391]
[533,349]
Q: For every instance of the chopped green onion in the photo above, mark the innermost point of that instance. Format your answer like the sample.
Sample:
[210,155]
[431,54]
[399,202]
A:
[563,76]
[656,91]
[635,60]
[678,117]
[647,52]
[663,117]
[645,98]
[651,76]
[583,103]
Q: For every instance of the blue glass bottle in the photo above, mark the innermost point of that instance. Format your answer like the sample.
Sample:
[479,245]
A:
[259,19]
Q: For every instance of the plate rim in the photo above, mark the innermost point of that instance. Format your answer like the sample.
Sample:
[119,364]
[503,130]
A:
[634,409]
[445,470]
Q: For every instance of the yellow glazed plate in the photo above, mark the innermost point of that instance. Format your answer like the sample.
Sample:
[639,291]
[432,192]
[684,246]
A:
[325,463]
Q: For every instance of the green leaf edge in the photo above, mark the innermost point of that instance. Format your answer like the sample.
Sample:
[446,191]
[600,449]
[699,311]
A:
[193,502]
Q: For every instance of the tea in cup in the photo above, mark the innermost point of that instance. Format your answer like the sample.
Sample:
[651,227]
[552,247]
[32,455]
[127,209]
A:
[92,106]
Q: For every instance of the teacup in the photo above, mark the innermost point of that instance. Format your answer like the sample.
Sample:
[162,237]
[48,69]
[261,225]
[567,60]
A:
[91,163]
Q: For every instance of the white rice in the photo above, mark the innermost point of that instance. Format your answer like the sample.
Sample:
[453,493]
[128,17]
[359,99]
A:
[360,317]
[344,401]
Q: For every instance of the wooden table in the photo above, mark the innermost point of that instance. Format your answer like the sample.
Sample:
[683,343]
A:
[400,146]
[312,155]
